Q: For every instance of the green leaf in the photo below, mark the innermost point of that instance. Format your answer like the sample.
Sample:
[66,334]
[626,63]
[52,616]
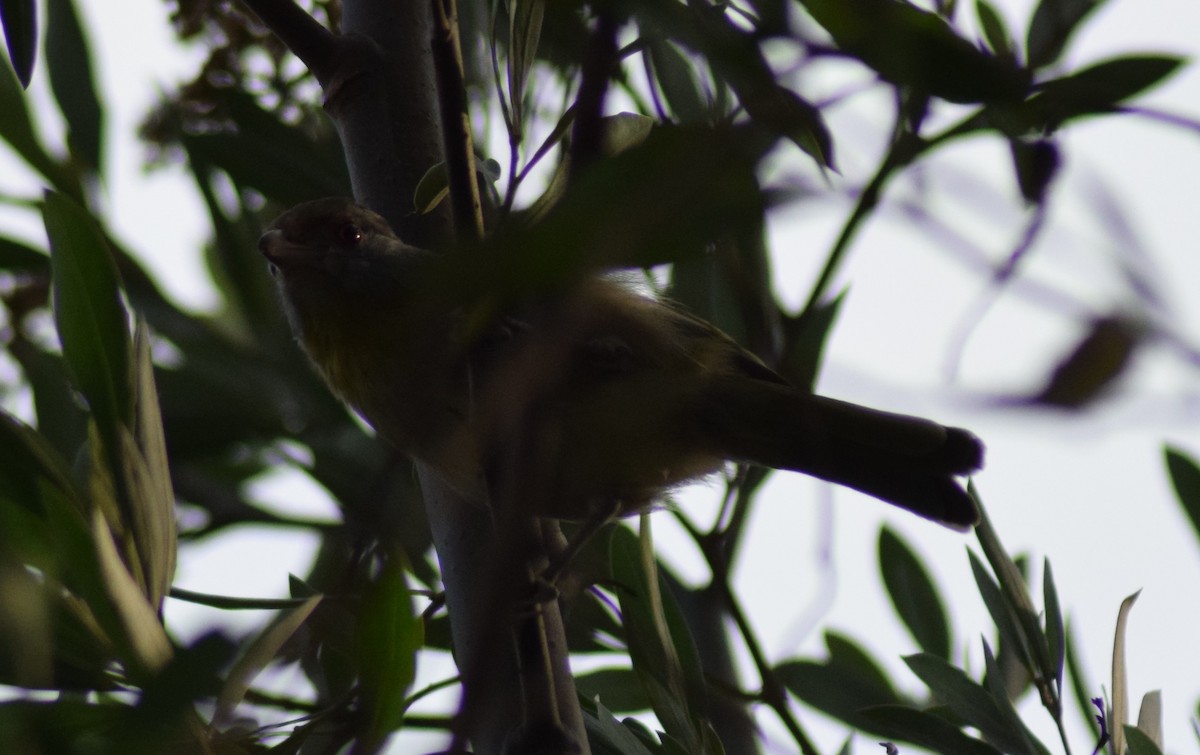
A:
[389,636]
[260,652]
[92,322]
[1016,598]
[995,31]
[524,32]
[660,647]
[1055,633]
[675,77]
[1139,743]
[619,689]
[1185,478]
[660,201]
[146,648]
[153,506]
[19,256]
[1051,27]
[846,684]
[69,63]
[916,49]
[913,594]
[924,729]
[806,337]
[1095,90]
[972,702]
[264,153]
[19,18]
[1016,730]
[611,735]
[1000,612]
[16,128]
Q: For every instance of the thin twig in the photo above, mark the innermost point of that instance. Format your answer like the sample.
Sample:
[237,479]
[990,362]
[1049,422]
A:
[456,122]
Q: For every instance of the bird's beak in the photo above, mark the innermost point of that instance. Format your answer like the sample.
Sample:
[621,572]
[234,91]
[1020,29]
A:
[278,250]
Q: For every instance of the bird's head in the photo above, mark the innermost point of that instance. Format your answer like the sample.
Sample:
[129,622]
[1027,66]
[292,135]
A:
[329,235]
[339,268]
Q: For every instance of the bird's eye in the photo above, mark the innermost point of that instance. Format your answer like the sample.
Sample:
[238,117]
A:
[349,234]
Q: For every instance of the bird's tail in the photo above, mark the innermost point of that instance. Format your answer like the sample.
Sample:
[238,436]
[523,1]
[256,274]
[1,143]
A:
[907,461]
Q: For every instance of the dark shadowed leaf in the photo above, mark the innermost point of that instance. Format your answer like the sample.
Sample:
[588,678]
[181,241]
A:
[917,49]
[69,63]
[1092,91]
[16,128]
[1016,597]
[524,31]
[661,648]
[1000,612]
[279,160]
[969,700]
[19,256]
[1055,630]
[1036,162]
[842,686]
[608,736]
[389,636]
[806,338]
[1185,478]
[1020,740]
[618,689]
[675,77]
[1051,27]
[925,729]
[995,31]
[92,323]
[19,18]
[660,201]
[913,594]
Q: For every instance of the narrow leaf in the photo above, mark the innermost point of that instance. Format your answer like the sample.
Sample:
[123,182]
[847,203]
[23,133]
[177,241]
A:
[16,128]
[913,48]
[389,636]
[974,704]
[1055,634]
[1139,743]
[913,594]
[257,655]
[1051,27]
[69,63]
[675,77]
[994,29]
[144,636]
[613,734]
[92,322]
[660,647]
[1097,89]
[1185,478]
[1150,717]
[524,32]
[925,729]
[19,19]
[1120,680]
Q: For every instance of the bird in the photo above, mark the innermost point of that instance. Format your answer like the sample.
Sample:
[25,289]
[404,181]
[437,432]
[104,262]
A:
[608,396]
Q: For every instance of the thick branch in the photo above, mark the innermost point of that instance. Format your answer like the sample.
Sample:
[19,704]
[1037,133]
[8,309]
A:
[304,36]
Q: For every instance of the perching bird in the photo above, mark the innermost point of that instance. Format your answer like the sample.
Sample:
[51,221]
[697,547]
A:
[612,397]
